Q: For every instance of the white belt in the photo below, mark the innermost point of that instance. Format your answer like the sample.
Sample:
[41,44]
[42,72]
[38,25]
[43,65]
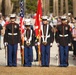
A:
[46,36]
[12,34]
[63,35]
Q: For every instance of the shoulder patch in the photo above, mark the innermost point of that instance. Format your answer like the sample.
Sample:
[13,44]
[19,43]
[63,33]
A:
[70,29]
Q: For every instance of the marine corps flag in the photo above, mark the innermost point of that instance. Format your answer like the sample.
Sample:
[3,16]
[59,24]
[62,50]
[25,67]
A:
[38,18]
[37,26]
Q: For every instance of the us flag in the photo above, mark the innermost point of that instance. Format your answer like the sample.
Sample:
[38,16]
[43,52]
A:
[22,28]
[22,16]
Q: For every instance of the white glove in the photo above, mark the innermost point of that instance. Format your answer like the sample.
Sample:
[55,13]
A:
[38,43]
[69,44]
[5,43]
[22,47]
[58,44]
[51,44]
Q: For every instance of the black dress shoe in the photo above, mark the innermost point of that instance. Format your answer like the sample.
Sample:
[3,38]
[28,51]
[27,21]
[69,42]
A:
[14,66]
[65,66]
[47,66]
[60,66]
[26,66]
[9,66]
[43,66]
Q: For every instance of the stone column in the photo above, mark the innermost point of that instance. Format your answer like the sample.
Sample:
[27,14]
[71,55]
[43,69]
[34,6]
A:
[45,7]
[54,9]
[66,7]
[0,5]
[61,7]
[74,8]
[57,8]
[9,6]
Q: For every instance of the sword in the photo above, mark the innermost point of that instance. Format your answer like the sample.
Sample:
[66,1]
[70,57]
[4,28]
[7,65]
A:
[5,54]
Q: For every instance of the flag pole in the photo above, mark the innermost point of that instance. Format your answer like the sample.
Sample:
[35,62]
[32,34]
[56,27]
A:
[21,26]
[39,51]
[22,52]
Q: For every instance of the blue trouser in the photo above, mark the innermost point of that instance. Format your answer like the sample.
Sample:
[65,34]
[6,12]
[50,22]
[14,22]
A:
[12,55]
[45,55]
[63,52]
[28,56]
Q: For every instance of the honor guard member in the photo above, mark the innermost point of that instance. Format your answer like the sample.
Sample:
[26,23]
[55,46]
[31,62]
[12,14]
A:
[28,43]
[11,40]
[47,38]
[63,39]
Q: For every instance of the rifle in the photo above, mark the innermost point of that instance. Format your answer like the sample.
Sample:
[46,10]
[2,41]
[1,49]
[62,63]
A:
[57,56]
